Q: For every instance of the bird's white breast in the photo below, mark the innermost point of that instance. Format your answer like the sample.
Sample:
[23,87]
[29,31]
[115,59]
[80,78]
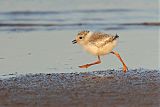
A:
[93,49]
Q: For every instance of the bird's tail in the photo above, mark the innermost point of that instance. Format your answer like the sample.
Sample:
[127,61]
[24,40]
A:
[116,37]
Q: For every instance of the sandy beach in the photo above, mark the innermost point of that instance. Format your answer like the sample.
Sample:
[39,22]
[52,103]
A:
[110,88]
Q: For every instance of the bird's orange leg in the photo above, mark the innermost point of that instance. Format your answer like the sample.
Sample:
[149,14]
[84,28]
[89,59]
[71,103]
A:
[88,65]
[119,57]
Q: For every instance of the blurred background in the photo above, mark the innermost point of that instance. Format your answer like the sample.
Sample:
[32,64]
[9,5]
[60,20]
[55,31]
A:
[36,35]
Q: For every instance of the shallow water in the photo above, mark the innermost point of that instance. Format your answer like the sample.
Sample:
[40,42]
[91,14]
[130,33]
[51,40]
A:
[35,36]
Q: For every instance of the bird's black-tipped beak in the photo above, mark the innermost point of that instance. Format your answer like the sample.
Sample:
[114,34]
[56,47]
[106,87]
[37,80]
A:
[74,41]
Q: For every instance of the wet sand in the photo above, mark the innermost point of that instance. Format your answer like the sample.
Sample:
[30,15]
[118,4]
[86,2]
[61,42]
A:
[110,88]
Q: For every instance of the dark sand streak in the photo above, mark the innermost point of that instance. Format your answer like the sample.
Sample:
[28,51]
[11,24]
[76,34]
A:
[143,23]
[78,24]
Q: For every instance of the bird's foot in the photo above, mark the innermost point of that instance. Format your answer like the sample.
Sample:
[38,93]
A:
[125,69]
[84,66]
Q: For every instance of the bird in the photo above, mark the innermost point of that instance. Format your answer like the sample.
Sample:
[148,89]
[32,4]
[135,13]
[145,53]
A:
[98,44]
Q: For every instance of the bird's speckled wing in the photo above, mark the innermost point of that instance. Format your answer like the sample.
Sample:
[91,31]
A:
[101,39]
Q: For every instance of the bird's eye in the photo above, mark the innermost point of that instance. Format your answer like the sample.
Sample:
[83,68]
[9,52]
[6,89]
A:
[80,37]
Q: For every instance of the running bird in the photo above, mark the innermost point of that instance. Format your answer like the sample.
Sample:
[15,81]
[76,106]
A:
[98,43]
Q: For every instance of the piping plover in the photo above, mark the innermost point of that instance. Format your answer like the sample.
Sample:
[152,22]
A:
[98,43]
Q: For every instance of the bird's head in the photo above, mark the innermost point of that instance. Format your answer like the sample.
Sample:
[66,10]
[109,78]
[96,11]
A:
[81,38]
